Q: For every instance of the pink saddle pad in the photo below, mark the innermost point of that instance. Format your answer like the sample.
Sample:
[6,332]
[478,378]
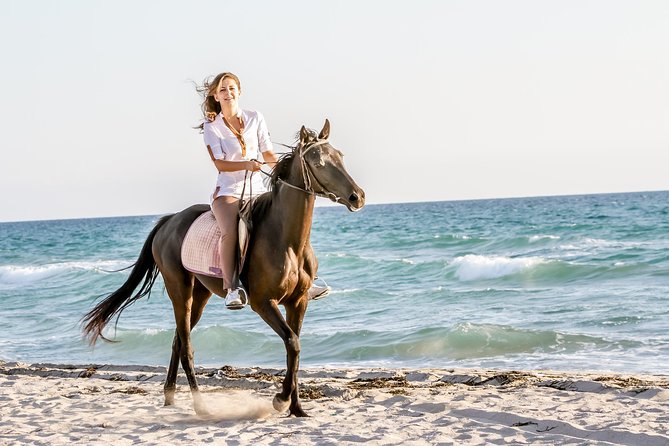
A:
[199,252]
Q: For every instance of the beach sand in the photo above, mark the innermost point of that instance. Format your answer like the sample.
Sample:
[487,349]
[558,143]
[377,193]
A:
[51,404]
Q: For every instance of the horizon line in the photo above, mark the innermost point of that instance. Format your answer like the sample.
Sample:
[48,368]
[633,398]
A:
[328,205]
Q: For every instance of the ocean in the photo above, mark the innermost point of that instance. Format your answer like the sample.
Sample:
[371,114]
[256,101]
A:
[562,283]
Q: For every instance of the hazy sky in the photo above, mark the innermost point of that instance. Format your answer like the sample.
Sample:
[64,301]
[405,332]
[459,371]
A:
[429,100]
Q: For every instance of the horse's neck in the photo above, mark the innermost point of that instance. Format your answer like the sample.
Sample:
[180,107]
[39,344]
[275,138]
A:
[296,209]
[296,214]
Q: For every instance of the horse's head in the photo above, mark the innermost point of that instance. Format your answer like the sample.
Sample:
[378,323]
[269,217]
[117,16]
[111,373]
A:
[324,172]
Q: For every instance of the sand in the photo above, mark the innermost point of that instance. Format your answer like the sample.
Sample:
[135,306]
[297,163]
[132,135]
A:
[51,404]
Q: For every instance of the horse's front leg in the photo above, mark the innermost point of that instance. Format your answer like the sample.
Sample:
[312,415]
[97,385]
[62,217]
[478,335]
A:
[269,312]
[295,315]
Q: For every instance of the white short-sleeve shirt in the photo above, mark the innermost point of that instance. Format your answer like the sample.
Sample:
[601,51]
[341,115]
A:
[224,145]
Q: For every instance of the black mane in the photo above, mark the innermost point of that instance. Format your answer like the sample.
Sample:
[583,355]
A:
[282,168]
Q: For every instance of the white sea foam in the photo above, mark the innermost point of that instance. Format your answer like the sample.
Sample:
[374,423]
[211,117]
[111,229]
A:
[455,236]
[595,243]
[18,274]
[475,267]
[536,238]
[344,290]
[22,274]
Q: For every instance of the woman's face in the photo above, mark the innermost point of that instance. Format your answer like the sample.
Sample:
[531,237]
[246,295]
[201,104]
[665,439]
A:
[227,92]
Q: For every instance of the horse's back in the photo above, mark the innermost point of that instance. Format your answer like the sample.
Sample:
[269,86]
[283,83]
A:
[168,240]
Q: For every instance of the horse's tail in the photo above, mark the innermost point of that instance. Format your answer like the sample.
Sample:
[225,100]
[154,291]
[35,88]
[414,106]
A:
[144,269]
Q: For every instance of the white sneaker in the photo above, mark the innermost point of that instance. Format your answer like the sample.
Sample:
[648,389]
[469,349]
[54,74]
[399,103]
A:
[318,292]
[233,300]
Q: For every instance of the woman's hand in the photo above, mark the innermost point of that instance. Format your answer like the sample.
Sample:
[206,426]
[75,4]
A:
[253,165]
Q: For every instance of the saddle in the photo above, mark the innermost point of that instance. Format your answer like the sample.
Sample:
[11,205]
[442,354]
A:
[199,251]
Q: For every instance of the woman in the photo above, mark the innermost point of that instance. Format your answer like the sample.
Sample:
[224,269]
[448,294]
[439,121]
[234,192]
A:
[235,139]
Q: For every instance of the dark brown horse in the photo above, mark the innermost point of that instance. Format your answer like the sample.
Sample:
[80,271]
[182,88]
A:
[279,269]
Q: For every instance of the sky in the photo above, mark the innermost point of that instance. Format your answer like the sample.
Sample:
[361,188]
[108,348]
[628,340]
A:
[429,100]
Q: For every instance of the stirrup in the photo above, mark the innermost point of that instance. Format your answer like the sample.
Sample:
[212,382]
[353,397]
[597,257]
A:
[243,299]
[318,292]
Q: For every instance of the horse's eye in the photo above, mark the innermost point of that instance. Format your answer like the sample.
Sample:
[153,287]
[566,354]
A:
[317,159]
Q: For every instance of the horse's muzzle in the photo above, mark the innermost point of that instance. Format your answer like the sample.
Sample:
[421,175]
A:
[356,201]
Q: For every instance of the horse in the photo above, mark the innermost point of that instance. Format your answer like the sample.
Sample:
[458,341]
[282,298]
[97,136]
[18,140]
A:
[279,269]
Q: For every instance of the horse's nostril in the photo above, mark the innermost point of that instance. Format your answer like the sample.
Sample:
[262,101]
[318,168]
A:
[353,198]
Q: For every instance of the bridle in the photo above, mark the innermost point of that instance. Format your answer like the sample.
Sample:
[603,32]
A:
[307,174]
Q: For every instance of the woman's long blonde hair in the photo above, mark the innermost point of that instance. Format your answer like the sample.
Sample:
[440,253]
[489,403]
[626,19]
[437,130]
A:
[210,107]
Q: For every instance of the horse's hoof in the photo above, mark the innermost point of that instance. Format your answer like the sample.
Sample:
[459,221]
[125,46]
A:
[279,404]
[298,412]
[201,411]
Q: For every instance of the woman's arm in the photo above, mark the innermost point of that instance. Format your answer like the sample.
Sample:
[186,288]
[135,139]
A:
[264,142]
[234,166]
[217,155]
[269,157]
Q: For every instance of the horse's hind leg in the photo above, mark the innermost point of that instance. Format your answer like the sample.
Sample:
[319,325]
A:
[180,291]
[171,380]
[200,297]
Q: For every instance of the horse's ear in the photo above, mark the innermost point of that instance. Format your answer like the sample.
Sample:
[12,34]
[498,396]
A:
[304,135]
[325,133]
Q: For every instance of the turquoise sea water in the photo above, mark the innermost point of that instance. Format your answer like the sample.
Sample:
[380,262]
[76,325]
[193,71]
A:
[566,283]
